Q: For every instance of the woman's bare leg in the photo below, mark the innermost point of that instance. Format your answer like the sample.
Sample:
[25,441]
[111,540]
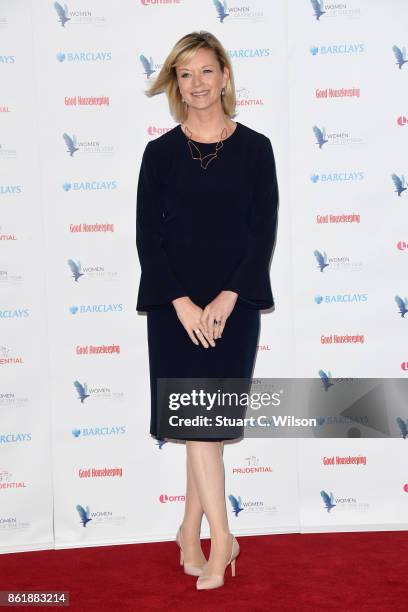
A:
[191,526]
[206,462]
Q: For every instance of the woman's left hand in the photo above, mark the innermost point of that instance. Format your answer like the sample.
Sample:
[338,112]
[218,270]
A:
[219,309]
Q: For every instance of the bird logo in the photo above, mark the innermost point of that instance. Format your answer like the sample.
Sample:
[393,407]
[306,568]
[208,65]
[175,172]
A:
[318,7]
[148,65]
[403,427]
[320,136]
[402,304]
[82,390]
[83,514]
[236,504]
[221,8]
[328,500]
[326,379]
[321,259]
[400,56]
[75,267]
[71,144]
[399,182]
[62,12]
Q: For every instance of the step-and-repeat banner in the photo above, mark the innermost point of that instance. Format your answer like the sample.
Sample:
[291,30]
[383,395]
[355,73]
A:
[327,82]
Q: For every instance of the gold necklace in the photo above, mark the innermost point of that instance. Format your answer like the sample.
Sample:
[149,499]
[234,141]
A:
[206,159]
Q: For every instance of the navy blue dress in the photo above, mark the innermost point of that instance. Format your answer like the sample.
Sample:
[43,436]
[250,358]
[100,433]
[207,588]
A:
[199,232]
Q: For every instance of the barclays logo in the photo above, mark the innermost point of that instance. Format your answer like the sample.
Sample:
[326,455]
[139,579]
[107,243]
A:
[18,313]
[338,49]
[248,53]
[113,430]
[85,56]
[94,308]
[89,186]
[346,298]
[7,59]
[336,177]
[400,56]
[399,184]
[10,189]
[15,437]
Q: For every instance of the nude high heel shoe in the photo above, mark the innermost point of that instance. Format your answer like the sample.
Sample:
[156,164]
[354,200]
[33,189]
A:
[214,581]
[191,570]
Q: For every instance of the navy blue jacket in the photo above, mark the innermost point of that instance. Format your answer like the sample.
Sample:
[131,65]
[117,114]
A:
[199,232]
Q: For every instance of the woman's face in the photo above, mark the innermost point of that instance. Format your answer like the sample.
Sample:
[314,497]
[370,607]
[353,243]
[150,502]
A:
[201,79]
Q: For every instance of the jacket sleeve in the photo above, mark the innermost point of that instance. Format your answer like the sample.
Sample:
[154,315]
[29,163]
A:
[158,282]
[251,279]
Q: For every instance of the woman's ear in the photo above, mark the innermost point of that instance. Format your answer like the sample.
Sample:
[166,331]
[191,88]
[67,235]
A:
[225,77]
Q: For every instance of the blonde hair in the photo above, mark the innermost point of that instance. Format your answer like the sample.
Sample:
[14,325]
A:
[184,50]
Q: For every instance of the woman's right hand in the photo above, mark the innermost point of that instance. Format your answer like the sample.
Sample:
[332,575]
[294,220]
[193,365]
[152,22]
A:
[189,315]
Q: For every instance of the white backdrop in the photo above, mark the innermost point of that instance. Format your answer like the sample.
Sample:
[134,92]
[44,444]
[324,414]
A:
[74,390]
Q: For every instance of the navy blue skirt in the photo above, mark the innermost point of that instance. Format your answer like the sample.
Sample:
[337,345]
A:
[172,354]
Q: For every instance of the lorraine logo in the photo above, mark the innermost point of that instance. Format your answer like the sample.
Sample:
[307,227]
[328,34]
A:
[236,504]
[82,390]
[75,267]
[402,304]
[71,142]
[400,56]
[62,12]
[326,379]
[321,259]
[403,427]
[84,514]
[318,7]
[320,136]
[148,65]
[221,8]
[328,500]
[399,183]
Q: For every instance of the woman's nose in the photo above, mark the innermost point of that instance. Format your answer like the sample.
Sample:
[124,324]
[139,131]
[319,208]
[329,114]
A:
[196,79]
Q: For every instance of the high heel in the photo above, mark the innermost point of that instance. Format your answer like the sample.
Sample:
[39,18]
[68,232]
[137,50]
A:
[214,581]
[191,570]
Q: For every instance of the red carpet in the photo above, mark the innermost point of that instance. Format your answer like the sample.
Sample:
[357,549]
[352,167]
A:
[296,572]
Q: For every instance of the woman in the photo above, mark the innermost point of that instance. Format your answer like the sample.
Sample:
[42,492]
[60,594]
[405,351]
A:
[206,224]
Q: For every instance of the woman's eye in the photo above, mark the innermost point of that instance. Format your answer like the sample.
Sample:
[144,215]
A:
[185,74]
[208,70]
